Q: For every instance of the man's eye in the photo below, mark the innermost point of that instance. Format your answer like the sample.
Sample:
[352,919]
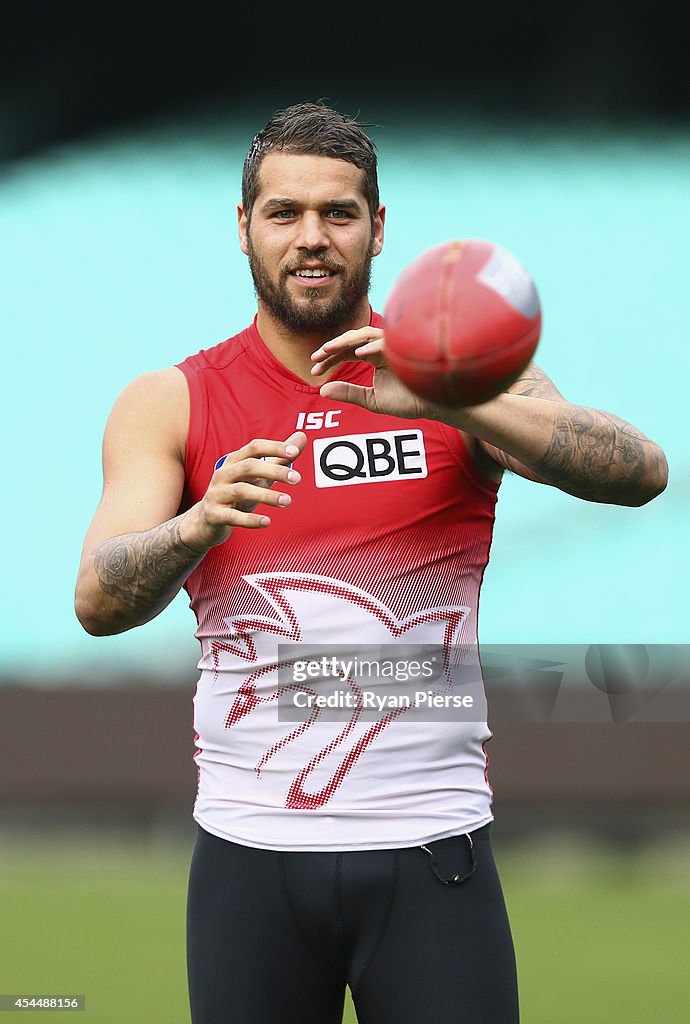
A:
[338,214]
[284,214]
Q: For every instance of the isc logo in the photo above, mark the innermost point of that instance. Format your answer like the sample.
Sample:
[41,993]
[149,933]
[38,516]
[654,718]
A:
[369,458]
[316,420]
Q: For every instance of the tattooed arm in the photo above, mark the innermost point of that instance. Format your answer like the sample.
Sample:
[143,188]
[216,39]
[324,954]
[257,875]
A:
[139,549]
[139,573]
[530,429]
[534,432]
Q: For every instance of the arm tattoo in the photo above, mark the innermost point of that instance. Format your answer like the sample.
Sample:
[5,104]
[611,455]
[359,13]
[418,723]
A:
[143,570]
[534,383]
[593,453]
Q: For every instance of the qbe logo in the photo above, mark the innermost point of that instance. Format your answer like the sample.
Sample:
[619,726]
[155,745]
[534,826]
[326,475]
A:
[369,458]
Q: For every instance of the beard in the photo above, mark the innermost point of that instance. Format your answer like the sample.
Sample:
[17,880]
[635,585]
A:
[315,313]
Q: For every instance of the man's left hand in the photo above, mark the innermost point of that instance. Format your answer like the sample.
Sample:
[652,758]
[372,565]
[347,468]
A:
[387,395]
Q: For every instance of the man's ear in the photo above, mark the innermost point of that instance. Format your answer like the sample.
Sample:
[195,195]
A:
[377,241]
[242,229]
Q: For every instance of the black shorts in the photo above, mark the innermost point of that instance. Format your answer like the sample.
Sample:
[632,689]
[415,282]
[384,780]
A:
[274,938]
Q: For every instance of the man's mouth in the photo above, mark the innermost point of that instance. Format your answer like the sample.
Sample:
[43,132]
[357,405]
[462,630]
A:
[312,273]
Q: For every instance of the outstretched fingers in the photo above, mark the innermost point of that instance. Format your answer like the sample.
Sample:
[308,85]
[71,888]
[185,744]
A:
[246,478]
[365,343]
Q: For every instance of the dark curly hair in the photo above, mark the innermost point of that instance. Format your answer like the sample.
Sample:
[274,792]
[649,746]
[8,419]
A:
[318,129]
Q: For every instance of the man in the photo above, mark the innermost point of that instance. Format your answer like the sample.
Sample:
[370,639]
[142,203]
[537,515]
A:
[308,516]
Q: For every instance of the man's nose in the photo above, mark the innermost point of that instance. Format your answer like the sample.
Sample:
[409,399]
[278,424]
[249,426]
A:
[312,232]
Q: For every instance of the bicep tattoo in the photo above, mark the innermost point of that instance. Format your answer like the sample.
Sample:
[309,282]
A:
[534,383]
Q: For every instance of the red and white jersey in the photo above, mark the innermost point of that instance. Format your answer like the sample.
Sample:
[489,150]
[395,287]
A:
[382,549]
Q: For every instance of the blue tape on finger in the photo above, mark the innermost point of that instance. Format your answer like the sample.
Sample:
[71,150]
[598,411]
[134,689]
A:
[222,459]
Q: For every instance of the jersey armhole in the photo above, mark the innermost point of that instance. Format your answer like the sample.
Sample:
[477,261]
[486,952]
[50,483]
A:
[460,452]
[198,419]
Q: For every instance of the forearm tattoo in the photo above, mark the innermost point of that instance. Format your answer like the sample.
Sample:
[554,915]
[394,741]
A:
[594,452]
[141,569]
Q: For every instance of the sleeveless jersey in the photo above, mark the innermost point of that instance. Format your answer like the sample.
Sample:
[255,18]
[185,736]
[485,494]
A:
[376,564]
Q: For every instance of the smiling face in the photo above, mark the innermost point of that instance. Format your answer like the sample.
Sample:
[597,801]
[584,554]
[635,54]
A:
[310,242]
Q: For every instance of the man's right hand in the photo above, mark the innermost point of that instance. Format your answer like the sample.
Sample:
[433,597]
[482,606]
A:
[243,481]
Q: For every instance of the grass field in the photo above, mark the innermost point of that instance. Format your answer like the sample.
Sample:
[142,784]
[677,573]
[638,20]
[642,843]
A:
[601,937]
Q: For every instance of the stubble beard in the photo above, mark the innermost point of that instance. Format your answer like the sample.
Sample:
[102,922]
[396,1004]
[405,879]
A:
[316,313]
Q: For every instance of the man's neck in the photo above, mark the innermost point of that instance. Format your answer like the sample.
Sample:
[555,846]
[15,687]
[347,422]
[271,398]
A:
[294,348]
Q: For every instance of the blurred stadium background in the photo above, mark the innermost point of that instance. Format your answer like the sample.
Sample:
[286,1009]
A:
[562,134]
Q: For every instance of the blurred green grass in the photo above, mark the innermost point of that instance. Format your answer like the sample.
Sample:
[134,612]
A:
[601,936]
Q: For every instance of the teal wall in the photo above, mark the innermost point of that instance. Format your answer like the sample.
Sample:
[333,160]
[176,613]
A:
[120,256]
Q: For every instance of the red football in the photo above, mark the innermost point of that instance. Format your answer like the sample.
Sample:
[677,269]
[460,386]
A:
[461,322]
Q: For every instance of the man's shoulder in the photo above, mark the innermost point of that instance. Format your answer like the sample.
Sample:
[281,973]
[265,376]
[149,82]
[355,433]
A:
[154,386]
[220,355]
[154,405]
